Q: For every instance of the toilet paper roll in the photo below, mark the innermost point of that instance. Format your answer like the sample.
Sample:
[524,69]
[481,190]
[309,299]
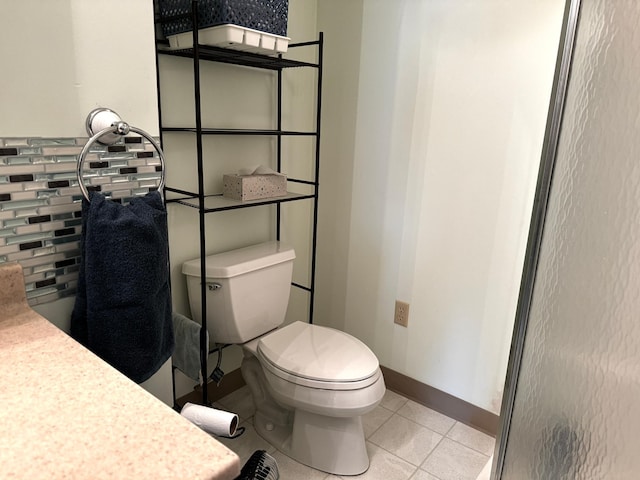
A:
[211,420]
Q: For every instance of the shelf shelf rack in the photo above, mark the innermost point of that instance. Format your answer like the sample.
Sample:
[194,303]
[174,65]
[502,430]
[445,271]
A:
[206,203]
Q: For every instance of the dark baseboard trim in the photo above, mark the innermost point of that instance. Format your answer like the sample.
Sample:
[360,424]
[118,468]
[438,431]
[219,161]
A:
[231,382]
[426,395]
[442,402]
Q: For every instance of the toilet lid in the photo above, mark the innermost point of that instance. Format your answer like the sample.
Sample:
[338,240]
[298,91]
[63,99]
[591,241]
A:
[318,353]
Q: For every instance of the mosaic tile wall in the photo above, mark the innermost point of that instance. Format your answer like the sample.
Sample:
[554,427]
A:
[40,202]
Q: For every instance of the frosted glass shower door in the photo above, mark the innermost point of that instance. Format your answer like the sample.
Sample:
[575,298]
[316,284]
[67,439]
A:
[576,413]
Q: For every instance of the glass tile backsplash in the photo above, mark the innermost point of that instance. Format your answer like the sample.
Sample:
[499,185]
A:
[41,202]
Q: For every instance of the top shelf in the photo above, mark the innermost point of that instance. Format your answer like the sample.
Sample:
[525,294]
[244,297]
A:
[237,57]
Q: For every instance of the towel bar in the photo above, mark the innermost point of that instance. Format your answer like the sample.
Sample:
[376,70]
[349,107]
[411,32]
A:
[114,130]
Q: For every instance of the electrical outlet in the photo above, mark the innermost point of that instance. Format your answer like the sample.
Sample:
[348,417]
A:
[401,316]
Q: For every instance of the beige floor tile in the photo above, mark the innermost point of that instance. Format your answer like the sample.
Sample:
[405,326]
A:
[422,475]
[406,439]
[472,438]
[240,402]
[392,401]
[485,474]
[453,461]
[290,469]
[402,436]
[374,420]
[426,417]
[247,443]
[383,466]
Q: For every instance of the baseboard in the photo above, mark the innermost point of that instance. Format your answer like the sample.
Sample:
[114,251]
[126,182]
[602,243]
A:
[231,382]
[442,402]
[426,395]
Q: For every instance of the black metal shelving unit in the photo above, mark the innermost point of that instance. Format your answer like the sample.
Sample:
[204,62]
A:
[208,203]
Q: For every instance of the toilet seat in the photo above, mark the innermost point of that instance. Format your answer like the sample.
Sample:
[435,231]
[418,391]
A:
[318,357]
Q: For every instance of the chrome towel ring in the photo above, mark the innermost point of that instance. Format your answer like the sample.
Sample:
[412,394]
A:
[106,127]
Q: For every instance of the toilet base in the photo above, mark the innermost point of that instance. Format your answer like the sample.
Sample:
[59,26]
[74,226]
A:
[334,445]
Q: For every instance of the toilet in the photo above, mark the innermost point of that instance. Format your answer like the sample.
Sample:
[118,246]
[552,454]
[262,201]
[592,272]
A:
[310,384]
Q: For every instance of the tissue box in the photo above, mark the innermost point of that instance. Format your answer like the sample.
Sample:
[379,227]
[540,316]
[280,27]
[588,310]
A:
[253,187]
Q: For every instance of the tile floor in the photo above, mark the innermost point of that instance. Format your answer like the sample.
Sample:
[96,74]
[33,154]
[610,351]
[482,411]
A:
[405,441]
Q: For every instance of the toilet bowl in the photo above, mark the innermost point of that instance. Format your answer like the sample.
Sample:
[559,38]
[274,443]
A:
[310,384]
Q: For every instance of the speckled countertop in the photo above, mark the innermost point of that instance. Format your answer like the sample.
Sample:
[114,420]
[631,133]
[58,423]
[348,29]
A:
[64,413]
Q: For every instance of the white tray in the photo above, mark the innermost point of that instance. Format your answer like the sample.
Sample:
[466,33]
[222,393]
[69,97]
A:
[234,37]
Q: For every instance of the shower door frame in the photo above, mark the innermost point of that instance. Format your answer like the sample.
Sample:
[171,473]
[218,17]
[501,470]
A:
[553,129]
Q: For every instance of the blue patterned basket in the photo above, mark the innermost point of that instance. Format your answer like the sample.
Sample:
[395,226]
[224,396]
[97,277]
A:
[268,16]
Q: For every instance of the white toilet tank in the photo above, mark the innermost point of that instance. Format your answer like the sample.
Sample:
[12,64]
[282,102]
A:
[253,293]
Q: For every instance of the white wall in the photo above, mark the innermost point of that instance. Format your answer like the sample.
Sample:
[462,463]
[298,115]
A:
[434,216]
[341,23]
[63,58]
[451,107]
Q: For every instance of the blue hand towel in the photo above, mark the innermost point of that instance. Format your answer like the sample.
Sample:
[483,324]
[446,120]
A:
[123,305]
[186,356]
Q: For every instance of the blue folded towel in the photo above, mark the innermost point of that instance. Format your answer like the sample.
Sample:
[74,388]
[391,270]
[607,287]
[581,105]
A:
[186,356]
[123,305]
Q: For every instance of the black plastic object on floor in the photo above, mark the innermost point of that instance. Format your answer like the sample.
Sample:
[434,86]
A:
[261,466]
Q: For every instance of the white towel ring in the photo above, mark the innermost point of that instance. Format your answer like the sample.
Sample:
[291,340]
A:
[110,135]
